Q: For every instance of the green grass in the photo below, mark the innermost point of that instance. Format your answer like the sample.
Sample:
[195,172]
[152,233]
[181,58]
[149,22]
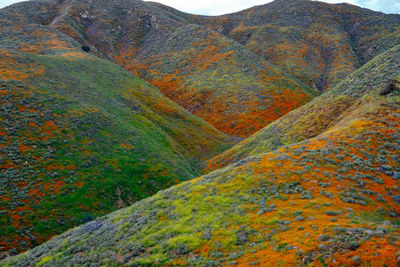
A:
[111,129]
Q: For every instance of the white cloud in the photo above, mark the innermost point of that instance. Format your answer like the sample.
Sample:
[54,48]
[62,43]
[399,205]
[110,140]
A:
[211,7]
[341,1]
[218,7]
[387,6]
[4,3]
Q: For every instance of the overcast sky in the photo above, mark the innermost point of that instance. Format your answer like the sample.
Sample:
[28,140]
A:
[219,7]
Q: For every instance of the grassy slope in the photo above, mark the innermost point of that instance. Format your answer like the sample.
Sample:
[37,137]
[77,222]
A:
[324,200]
[210,75]
[81,137]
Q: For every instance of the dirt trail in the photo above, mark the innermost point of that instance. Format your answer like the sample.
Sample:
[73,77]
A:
[65,9]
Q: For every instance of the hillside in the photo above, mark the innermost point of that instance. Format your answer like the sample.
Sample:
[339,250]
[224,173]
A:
[316,42]
[219,80]
[81,137]
[210,75]
[219,68]
[318,116]
[331,199]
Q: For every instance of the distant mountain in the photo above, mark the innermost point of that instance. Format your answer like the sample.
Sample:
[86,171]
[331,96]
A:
[316,42]
[81,137]
[331,199]
[208,74]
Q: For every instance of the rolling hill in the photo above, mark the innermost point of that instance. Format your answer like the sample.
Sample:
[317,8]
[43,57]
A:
[81,137]
[330,199]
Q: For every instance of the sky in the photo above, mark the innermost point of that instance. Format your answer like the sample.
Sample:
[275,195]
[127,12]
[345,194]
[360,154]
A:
[219,7]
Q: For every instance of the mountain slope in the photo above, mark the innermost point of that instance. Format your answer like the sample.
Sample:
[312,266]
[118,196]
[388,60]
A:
[81,137]
[208,74]
[316,117]
[328,200]
[215,78]
[316,42]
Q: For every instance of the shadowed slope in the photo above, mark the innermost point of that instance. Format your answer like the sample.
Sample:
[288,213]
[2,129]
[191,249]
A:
[332,199]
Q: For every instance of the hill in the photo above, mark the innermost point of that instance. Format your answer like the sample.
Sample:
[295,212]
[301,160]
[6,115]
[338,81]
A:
[219,68]
[331,199]
[208,74]
[81,137]
[318,116]
[316,42]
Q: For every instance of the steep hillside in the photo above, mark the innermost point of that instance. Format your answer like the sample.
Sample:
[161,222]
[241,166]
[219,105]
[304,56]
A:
[320,115]
[328,200]
[318,43]
[208,74]
[81,137]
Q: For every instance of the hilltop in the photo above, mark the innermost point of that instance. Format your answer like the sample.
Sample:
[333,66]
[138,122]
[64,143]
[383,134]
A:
[332,200]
